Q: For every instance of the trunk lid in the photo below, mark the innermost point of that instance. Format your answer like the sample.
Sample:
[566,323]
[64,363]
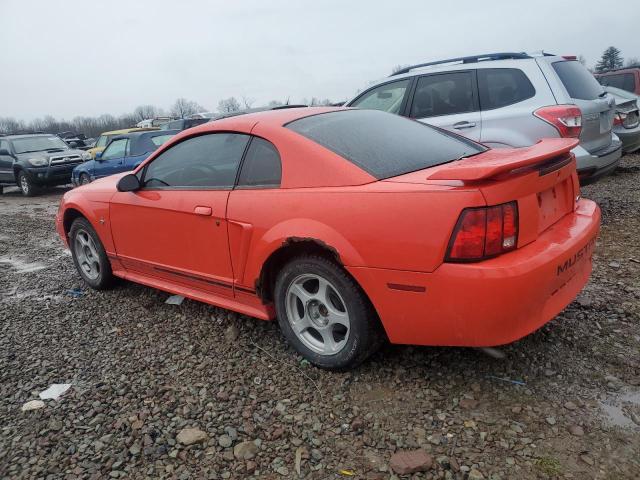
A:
[541,178]
[597,121]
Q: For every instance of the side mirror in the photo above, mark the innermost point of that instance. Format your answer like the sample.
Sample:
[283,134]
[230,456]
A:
[4,153]
[98,155]
[129,183]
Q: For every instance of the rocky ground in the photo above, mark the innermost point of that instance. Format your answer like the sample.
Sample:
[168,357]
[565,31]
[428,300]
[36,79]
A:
[143,371]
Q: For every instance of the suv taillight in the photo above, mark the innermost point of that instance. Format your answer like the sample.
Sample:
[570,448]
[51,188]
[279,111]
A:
[483,233]
[567,119]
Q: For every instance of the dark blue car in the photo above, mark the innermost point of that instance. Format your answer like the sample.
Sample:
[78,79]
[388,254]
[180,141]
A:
[123,153]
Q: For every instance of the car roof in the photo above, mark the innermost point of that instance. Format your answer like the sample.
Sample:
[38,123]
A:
[618,71]
[270,117]
[130,130]
[26,135]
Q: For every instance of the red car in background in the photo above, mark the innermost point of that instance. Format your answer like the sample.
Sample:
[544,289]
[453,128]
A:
[349,226]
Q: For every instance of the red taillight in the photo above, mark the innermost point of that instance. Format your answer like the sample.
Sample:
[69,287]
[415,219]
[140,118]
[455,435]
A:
[567,119]
[483,233]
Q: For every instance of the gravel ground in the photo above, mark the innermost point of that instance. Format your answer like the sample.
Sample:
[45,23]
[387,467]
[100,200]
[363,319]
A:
[142,371]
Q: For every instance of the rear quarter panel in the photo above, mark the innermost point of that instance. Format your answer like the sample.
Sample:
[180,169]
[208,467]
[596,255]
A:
[405,227]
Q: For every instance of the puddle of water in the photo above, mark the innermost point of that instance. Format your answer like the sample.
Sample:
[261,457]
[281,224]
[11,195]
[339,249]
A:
[21,266]
[615,410]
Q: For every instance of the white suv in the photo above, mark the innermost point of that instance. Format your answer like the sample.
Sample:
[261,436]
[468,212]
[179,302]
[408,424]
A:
[507,100]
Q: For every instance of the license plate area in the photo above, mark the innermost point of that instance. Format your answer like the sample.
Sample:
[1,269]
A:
[554,203]
[606,121]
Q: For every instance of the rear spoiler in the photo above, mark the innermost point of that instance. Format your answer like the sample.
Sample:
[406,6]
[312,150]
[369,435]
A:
[504,160]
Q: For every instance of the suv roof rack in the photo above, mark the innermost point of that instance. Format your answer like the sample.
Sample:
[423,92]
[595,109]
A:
[471,59]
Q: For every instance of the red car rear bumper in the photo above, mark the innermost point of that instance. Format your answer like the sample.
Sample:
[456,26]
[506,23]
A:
[492,302]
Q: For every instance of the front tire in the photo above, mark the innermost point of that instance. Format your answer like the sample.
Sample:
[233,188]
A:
[89,255]
[324,314]
[28,188]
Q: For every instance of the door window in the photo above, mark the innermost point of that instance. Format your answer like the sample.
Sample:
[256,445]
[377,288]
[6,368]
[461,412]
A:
[499,87]
[443,94]
[387,97]
[102,141]
[261,166]
[116,149]
[206,161]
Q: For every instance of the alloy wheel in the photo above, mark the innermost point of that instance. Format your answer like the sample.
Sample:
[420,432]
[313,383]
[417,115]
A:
[317,314]
[87,254]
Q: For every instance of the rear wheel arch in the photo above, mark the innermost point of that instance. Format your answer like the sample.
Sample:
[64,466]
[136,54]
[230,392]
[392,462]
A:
[290,248]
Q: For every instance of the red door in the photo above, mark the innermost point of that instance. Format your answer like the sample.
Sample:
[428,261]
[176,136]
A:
[176,235]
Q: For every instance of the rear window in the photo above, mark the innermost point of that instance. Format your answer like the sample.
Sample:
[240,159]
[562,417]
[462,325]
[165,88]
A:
[382,144]
[623,81]
[580,84]
[500,87]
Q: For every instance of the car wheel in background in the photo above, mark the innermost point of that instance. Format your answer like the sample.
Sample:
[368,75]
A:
[84,179]
[26,185]
[89,255]
[324,314]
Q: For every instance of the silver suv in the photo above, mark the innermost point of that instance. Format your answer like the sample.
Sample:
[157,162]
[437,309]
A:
[507,100]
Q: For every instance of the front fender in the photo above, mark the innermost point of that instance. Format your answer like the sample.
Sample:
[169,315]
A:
[95,208]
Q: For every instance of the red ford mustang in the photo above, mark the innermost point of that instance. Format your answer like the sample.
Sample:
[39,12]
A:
[349,226]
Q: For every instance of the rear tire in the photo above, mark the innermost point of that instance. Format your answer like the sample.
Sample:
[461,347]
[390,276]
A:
[28,188]
[84,179]
[89,255]
[324,314]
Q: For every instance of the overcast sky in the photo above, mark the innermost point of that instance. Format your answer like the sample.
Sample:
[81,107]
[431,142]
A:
[77,57]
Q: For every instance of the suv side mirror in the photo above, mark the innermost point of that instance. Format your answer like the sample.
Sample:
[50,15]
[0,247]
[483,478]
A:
[4,153]
[98,155]
[129,183]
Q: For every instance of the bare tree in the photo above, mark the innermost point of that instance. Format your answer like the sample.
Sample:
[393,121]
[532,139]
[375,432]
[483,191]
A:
[247,102]
[582,60]
[183,108]
[275,103]
[228,105]
[632,62]
[144,112]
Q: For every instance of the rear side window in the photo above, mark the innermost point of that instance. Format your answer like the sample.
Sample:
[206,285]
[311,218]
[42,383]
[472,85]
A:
[387,97]
[261,166]
[500,87]
[580,84]
[621,80]
[206,161]
[160,139]
[443,94]
[381,144]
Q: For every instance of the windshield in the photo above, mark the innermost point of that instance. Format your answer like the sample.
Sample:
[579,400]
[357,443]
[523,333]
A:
[383,144]
[580,84]
[38,144]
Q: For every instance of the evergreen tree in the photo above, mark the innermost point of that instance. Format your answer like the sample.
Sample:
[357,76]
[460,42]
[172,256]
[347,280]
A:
[611,59]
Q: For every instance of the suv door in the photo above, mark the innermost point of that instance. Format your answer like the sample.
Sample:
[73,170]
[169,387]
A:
[448,100]
[112,159]
[6,163]
[175,226]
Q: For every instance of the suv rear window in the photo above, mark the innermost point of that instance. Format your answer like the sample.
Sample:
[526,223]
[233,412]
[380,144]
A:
[577,80]
[382,144]
[500,87]
[619,80]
